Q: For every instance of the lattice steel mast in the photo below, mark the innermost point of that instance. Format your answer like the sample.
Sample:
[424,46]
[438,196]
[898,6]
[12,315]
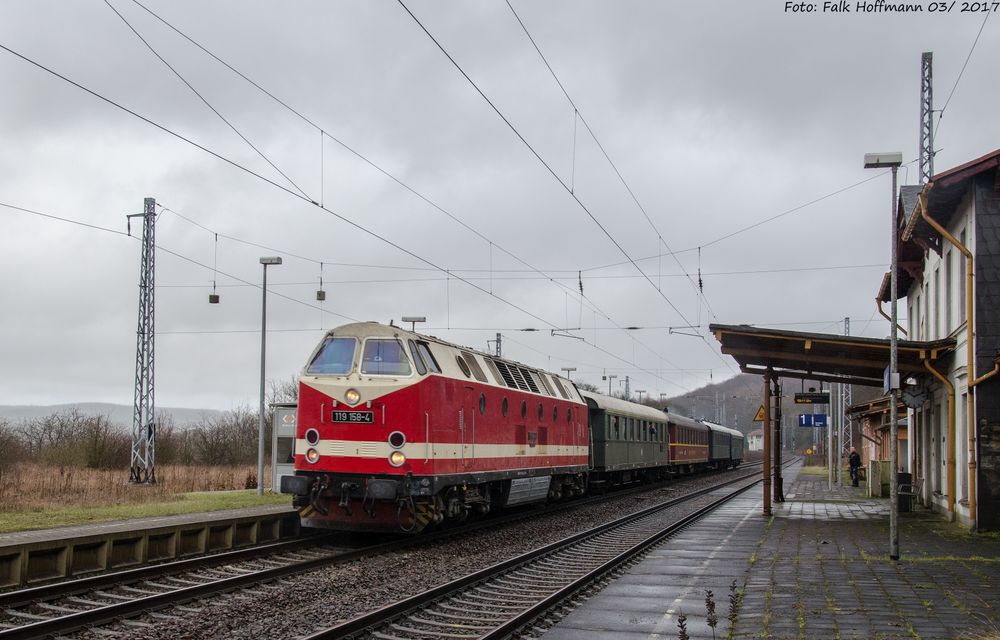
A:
[142,468]
[926,118]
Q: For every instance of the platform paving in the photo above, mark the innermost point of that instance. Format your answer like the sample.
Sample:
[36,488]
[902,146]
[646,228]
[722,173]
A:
[819,568]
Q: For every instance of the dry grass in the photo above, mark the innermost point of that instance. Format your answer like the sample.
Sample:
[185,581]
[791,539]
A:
[29,486]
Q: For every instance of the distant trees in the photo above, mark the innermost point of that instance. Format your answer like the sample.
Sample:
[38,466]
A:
[73,438]
[10,445]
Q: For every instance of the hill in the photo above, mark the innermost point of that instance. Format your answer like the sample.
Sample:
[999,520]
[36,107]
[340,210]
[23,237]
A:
[118,414]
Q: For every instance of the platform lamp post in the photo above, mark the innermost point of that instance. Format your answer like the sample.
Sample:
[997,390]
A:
[610,379]
[640,392]
[892,161]
[266,261]
[568,371]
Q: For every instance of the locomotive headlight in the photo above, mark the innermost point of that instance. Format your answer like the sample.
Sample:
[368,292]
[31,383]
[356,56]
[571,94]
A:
[396,458]
[312,456]
[352,396]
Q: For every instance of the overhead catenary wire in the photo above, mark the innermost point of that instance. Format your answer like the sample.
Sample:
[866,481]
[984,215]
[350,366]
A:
[577,115]
[167,250]
[356,153]
[275,293]
[961,73]
[555,175]
[204,100]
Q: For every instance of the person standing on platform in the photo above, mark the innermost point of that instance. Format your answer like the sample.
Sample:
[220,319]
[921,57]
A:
[854,460]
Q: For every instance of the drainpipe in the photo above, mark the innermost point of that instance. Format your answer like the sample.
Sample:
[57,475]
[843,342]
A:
[878,303]
[970,334]
[951,437]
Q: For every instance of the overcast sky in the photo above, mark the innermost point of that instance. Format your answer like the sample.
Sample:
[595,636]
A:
[717,115]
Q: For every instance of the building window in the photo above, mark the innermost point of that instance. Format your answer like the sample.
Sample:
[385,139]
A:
[937,303]
[948,284]
[961,281]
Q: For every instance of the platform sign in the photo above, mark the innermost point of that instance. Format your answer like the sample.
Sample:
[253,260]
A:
[820,397]
[813,420]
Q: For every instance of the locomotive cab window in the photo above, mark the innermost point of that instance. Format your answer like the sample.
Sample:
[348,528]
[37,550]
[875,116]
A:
[384,357]
[335,357]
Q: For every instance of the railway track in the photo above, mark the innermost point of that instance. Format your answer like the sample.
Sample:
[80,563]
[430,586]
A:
[65,607]
[499,601]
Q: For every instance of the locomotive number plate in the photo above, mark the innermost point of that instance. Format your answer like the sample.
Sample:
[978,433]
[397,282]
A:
[363,417]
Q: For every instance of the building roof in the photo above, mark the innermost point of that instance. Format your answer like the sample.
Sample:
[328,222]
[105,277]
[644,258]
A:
[911,255]
[941,197]
[822,356]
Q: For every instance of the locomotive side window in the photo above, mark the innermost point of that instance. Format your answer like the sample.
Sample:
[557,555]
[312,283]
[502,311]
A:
[524,408]
[477,371]
[463,365]
[496,372]
[384,357]
[482,404]
[503,407]
[428,357]
[335,357]
[417,360]
[559,386]
[545,383]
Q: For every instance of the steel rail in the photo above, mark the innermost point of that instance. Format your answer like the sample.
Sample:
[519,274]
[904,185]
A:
[125,609]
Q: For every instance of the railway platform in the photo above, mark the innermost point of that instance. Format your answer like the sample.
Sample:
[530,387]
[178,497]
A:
[32,557]
[819,568]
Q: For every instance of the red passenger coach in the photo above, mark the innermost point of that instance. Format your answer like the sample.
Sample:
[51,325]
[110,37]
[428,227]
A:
[688,442]
[398,430]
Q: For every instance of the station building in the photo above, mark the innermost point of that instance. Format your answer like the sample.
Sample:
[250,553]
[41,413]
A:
[948,280]
[949,275]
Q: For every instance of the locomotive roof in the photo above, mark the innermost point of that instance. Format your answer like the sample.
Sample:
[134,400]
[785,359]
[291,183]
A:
[373,328]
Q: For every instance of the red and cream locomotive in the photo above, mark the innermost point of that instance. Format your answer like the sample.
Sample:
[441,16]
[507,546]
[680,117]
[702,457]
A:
[398,430]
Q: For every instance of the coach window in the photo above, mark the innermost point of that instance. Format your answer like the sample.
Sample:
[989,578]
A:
[384,357]
[616,428]
[417,361]
[503,407]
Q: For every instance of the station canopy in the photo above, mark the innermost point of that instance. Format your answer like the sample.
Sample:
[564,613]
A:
[823,356]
